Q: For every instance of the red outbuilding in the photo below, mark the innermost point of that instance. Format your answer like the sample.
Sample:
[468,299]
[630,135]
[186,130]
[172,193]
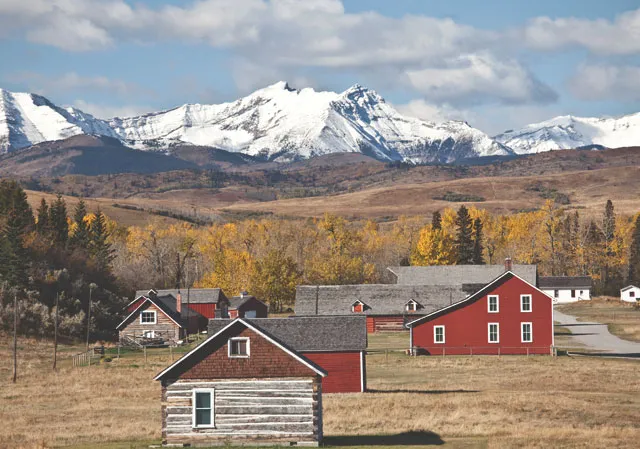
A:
[336,344]
[506,316]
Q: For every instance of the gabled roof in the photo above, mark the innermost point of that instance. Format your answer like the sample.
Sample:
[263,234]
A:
[564,282]
[162,303]
[256,329]
[455,275]
[480,293]
[318,333]
[193,295]
[628,287]
[381,299]
[237,301]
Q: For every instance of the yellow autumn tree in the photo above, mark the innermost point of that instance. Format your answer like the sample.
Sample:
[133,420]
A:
[434,247]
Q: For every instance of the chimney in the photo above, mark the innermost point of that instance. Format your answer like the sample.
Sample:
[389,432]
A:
[179,303]
[508,265]
[244,294]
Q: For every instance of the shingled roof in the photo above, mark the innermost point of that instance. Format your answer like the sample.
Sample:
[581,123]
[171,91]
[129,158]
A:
[564,282]
[344,333]
[454,275]
[380,299]
[167,304]
[195,295]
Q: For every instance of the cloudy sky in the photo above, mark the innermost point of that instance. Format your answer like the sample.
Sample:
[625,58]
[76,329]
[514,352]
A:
[497,64]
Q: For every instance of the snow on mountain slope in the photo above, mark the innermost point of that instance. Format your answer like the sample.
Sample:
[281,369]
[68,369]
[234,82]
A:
[283,123]
[572,132]
[27,119]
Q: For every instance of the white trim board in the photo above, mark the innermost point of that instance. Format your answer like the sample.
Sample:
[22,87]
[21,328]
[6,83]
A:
[138,308]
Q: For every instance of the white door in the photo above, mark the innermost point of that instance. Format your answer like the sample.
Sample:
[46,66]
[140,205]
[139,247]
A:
[250,314]
[149,334]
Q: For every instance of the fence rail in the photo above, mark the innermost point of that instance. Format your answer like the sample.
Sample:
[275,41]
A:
[467,350]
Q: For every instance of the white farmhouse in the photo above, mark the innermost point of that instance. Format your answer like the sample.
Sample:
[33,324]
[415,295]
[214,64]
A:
[631,293]
[565,289]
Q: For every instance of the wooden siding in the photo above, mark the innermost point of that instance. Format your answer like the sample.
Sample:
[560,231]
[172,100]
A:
[343,370]
[207,310]
[278,411]
[135,305]
[391,323]
[265,360]
[466,327]
[164,327]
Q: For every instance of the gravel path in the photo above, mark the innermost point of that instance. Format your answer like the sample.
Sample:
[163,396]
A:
[595,336]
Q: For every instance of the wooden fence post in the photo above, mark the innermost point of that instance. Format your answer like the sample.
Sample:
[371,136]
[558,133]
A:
[118,353]
[144,348]
[170,353]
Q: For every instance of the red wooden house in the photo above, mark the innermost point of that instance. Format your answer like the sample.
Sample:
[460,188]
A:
[336,344]
[242,386]
[506,316]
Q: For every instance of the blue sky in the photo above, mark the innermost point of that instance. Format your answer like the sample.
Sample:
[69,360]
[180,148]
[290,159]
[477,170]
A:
[497,64]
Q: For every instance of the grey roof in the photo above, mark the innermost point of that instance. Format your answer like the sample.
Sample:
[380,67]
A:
[195,295]
[341,333]
[237,301]
[167,304]
[564,282]
[459,274]
[380,299]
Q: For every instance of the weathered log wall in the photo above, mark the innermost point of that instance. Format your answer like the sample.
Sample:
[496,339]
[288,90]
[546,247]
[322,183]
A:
[275,411]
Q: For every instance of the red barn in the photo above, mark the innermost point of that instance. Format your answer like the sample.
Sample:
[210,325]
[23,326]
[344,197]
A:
[507,316]
[336,344]
[242,386]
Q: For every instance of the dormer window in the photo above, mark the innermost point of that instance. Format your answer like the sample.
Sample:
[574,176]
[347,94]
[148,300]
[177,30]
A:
[411,306]
[238,347]
[358,307]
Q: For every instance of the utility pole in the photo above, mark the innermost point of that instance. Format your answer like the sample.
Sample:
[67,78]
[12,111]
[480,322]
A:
[91,287]
[55,334]
[15,336]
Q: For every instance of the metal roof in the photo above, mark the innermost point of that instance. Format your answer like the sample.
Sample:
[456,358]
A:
[459,274]
[564,282]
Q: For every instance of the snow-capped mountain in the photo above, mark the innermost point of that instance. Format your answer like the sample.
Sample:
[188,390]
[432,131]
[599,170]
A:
[284,123]
[27,119]
[573,132]
[276,122]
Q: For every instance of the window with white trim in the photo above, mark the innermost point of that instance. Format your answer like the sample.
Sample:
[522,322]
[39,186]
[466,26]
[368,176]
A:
[202,406]
[494,333]
[494,303]
[525,303]
[148,317]
[438,334]
[526,332]
[412,306]
[239,347]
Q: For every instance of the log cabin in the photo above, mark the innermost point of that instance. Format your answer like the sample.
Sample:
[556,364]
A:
[159,320]
[242,386]
[507,316]
[336,344]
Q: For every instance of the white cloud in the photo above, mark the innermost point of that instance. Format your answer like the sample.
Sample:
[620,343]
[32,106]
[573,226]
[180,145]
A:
[72,81]
[618,37]
[606,82]
[480,78]
[107,112]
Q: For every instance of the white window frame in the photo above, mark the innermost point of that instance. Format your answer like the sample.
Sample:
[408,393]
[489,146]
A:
[435,335]
[530,304]
[497,325]
[238,356]
[497,303]
[411,304]
[357,303]
[152,334]
[522,325]
[155,317]
[212,392]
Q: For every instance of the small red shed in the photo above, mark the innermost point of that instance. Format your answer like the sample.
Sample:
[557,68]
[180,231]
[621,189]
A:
[201,300]
[507,316]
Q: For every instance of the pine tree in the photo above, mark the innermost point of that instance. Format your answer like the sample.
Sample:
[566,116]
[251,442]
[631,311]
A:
[609,224]
[58,221]
[80,238]
[14,261]
[101,250]
[634,255]
[43,226]
[609,275]
[436,221]
[478,248]
[464,238]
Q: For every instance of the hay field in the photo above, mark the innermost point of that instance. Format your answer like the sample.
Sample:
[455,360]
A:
[457,402]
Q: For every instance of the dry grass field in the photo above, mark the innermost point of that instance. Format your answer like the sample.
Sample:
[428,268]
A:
[458,402]
[622,319]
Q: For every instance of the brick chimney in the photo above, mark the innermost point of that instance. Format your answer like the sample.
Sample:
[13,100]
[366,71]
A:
[179,303]
[508,265]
